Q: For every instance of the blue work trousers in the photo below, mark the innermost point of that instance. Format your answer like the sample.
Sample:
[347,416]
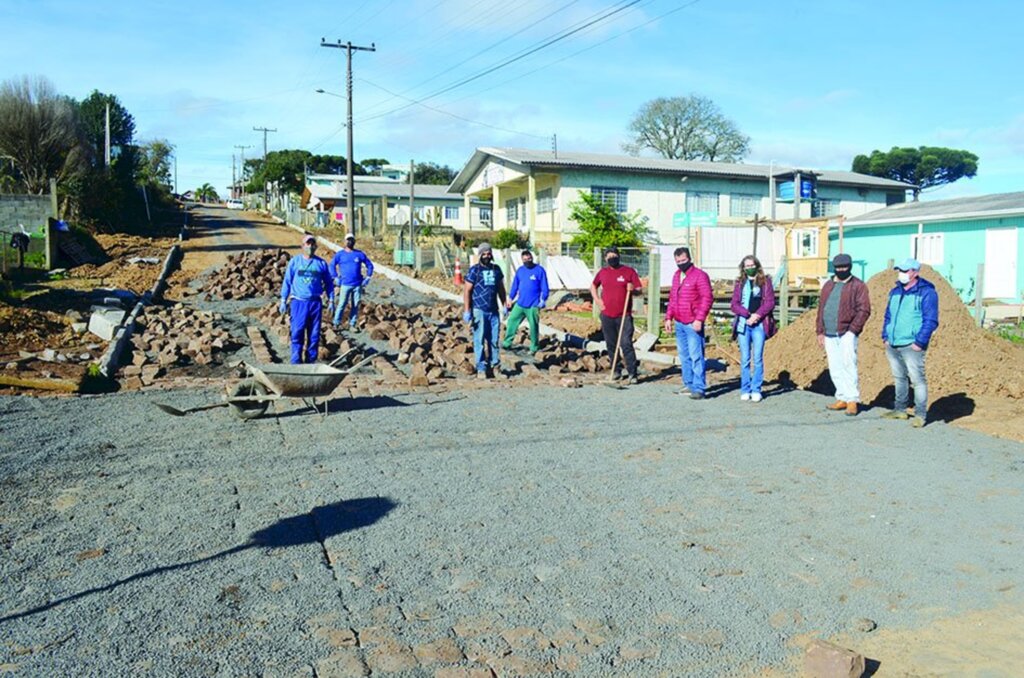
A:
[305,329]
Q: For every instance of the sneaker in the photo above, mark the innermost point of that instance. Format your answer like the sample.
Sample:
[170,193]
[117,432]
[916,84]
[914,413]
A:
[633,380]
[917,422]
[837,406]
[482,376]
[696,396]
[896,414]
[755,397]
[852,409]
[744,397]
[617,376]
[682,390]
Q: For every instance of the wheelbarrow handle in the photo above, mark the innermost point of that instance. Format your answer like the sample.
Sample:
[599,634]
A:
[362,362]
[341,357]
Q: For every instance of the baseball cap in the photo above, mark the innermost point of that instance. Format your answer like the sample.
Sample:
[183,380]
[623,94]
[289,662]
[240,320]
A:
[908,264]
[842,260]
[308,238]
[350,236]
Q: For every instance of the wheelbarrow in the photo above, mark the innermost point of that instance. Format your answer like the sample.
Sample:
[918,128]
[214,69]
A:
[264,384]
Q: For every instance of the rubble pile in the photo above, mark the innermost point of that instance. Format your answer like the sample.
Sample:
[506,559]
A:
[167,337]
[247,275]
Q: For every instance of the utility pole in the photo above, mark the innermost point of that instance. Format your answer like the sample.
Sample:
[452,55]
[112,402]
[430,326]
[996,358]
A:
[266,204]
[412,208]
[234,177]
[106,145]
[351,189]
[176,173]
[241,168]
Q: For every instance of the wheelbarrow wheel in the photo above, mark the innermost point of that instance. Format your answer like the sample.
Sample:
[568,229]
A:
[248,409]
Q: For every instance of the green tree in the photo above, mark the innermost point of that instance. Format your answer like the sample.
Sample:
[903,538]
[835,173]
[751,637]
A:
[155,163]
[925,166]
[206,193]
[40,134]
[287,167]
[601,226]
[432,173]
[374,165]
[686,128]
[92,113]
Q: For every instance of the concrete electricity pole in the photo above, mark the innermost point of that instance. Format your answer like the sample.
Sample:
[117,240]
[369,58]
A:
[234,176]
[106,138]
[351,189]
[266,204]
[241,167]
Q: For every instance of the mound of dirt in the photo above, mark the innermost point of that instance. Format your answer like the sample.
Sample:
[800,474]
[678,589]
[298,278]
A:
[961,357]
[27,329]
[119,272]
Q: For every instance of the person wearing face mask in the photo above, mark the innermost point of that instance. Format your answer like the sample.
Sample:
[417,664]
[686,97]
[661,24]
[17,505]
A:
[911,317]
[347,265]
[689,303]
[527,297]
[306,280]
[753,301]
[483,288]
[843,310]
[616,284]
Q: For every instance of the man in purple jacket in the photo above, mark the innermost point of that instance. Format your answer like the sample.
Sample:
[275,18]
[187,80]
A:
[688,306]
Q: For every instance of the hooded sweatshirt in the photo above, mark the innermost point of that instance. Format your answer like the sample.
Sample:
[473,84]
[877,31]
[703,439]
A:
[911,316]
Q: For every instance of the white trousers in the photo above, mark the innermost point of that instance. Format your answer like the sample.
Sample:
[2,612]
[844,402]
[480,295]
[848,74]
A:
[842,366]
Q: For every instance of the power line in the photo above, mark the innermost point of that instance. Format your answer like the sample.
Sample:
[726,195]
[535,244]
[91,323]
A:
[453,115]
[546,43]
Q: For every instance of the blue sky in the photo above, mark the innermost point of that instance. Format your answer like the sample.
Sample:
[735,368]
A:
[812,84]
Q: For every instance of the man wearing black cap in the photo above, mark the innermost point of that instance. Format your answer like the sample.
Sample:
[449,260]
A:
[616,284]
[843,311]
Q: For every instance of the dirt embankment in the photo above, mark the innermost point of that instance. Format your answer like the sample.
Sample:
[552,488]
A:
[968,368]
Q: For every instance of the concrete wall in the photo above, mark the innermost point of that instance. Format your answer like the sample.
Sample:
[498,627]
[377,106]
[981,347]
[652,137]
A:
[30,210]
[963,249]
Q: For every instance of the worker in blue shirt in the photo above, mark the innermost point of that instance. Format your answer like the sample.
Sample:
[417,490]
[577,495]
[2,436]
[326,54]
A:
[347,268]
[306,280]
[529,293]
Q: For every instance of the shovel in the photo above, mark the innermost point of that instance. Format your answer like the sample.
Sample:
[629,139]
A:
[181,413]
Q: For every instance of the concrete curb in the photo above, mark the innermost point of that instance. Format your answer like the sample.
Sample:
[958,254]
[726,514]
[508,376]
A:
[111,358]
[546,330]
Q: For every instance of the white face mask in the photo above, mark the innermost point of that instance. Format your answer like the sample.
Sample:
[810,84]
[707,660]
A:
[903,277]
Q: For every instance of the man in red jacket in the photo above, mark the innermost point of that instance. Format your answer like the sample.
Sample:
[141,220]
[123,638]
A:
[617,284]
[688,308]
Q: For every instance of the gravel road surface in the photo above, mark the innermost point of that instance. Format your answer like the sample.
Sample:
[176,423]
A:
[540,530]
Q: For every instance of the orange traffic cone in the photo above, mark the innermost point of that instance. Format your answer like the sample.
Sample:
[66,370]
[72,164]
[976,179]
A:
[457,278]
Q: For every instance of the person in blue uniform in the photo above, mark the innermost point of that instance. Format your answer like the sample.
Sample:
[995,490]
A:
[306,280]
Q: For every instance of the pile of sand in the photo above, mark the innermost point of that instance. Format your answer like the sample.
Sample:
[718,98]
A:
[962,358]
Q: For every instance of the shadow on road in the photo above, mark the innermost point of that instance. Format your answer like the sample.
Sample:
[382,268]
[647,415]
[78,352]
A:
[317,525]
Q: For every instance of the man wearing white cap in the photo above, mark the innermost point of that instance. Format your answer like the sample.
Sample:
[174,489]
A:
[911,316]
[347,268]
[306,280]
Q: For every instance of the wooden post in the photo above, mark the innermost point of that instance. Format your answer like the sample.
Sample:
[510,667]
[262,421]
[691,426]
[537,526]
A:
[784,293]
[654,292]
[842,221]
[49,242]
[979,296]
[598,262]
[531,207]
[698,249]
[754,250]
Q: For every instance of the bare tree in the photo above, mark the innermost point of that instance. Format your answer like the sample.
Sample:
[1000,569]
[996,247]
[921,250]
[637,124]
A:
[686,128]
[40,132]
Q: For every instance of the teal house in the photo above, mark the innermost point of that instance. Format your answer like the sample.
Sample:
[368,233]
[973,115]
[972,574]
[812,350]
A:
[952,236]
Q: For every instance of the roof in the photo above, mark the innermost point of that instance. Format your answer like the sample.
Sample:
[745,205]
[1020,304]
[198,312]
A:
[377,189]
[548,159]
[359,178]
[980,206]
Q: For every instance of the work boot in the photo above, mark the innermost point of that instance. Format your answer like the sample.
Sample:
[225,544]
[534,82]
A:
[917,422]
[838,406]
[896,414]
[851,409]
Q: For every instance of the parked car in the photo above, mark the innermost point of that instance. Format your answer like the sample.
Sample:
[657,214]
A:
[233,204]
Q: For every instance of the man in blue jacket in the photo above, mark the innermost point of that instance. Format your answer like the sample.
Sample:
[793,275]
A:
[911,316]
[529,293]
[306,280]
[347,267]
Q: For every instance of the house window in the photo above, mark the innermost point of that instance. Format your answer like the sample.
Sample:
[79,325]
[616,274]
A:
[702,202]
[928,248]
[485,215]
[805,243]
[744,204]
[613,195]
[824,207]
[895,198]
[451,212]
[545,203]
[512,209]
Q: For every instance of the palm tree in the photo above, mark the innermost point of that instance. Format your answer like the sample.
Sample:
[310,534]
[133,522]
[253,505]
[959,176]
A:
[206,193]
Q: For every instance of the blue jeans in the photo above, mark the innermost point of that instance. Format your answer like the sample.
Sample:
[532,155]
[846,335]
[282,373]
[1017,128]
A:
[751,358]
[690,344]
[305,328]
[348,294]
[908,370]
[486,331]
